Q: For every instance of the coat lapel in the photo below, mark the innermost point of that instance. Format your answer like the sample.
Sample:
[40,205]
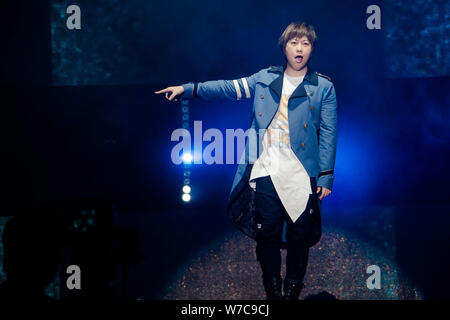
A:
[310,78]
[277,84]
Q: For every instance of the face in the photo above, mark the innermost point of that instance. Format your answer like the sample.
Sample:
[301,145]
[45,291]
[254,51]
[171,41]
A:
[298,51]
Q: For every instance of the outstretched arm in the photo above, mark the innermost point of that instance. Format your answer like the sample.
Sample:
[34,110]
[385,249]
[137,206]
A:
[242,88]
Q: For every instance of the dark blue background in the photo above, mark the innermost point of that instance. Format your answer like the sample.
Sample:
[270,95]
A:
[79,117]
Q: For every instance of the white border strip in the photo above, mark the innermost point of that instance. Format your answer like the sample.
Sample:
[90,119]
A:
[238,90]
[247,91]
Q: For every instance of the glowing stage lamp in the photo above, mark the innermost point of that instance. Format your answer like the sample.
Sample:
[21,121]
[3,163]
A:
[186,197]
[187,158]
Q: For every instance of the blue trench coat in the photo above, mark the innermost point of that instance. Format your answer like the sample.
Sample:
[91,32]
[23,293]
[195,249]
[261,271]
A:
[312,116]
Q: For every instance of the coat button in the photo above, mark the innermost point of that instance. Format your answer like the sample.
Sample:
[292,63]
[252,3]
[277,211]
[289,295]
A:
[261,96]
[304,126]
[303,145]
[259,114]
[312,107]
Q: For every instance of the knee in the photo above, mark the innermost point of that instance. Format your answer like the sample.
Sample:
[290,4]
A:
[268,234]
[297,233]
[297,236]
[267,250]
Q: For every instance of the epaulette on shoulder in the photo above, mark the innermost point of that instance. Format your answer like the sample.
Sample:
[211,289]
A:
[324,76]
[275,68]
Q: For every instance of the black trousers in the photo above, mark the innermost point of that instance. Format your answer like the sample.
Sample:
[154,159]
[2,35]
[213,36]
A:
[271,216]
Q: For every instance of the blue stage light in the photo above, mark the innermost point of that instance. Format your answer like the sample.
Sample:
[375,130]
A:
[187,189]
[187,158]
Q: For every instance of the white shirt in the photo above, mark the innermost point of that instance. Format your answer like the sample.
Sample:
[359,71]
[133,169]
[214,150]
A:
[290,179]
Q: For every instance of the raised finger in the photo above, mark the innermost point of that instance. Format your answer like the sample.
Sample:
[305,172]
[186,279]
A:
[161,91]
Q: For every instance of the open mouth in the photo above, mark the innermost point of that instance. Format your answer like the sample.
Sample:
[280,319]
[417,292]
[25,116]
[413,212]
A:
[298,59]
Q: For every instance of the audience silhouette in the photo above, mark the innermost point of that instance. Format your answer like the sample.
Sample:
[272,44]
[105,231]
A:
[31,243]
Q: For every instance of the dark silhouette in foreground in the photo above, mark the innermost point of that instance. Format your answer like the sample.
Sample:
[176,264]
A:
[31,242]
[323,295]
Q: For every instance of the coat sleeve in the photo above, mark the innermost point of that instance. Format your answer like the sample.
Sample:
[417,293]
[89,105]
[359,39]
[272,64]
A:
[242,88]
[327,139]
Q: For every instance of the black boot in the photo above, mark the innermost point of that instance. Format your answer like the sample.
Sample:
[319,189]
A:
[292,289]
[272,285]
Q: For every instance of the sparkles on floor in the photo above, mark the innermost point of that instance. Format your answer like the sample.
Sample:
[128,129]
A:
[337,267]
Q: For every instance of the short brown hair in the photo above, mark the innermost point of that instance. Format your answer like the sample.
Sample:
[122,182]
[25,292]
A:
[297,29]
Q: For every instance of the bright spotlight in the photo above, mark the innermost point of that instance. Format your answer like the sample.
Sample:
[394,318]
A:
[186,197]
[187,189]
[187,158]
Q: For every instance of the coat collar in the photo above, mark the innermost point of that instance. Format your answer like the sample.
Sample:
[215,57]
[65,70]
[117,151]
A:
[277,84]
